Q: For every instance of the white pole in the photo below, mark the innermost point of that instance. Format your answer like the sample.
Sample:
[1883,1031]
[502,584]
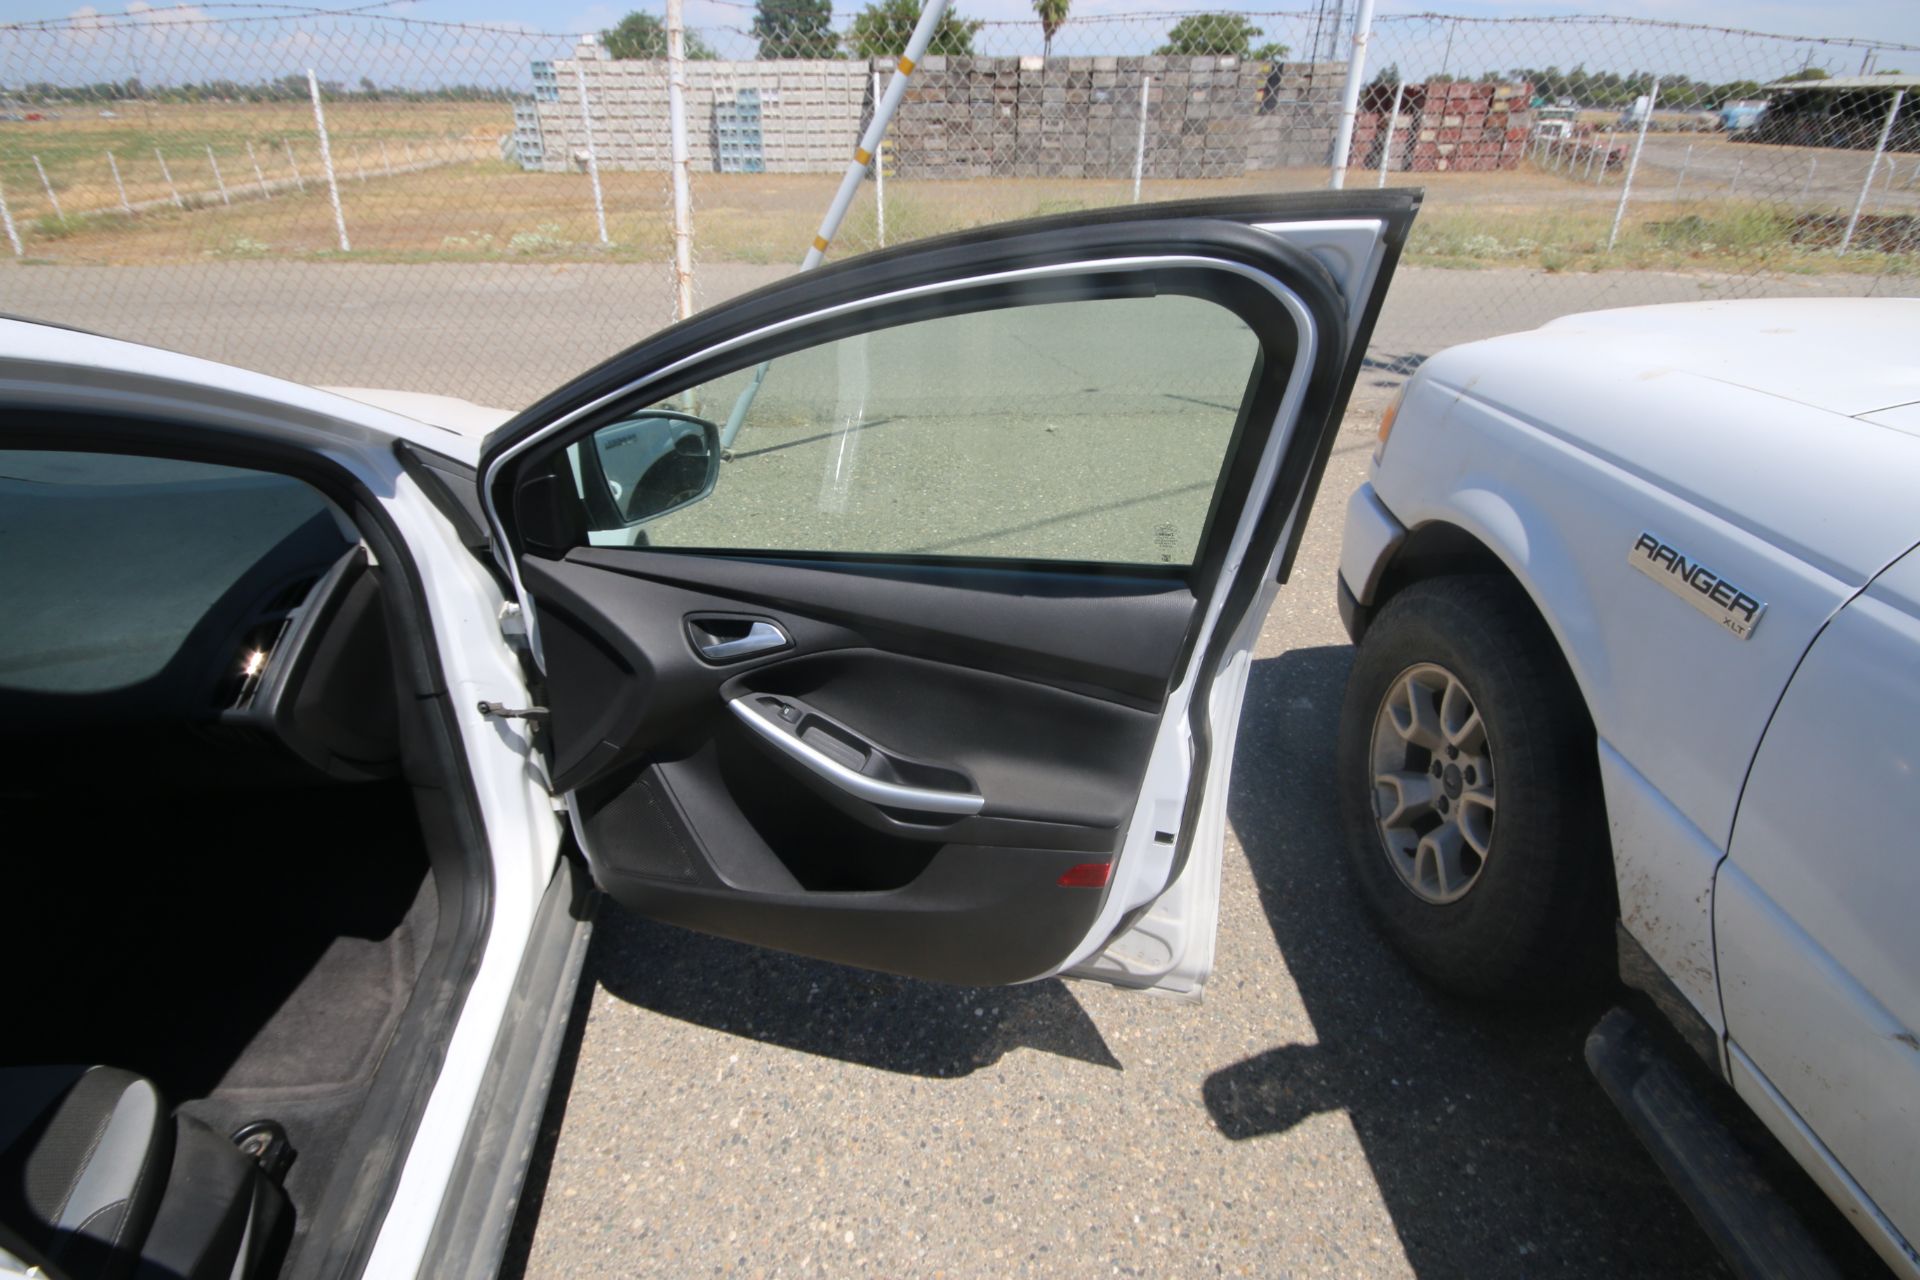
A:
[1685,162]
[593,157]
[326,160]
[1593,154]
[930,15]
[386,161]
[167,173]
[682,159]
[359,168]
[13,233]
[1350,97]
[1633,164]
[1606,157]
[1393,123]
[266,192]
[54,200]
[879,176]
[1879,150]
[1806,188]
[1140,144]
[297,179]
[407,147]
[118,185]
[218,181]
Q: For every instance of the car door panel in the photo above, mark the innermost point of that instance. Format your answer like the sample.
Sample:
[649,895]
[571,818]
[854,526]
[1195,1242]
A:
[969,767]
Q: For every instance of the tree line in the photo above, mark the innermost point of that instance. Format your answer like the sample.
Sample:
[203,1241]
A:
[804,29]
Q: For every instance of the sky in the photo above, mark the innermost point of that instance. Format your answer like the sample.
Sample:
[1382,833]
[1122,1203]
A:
[121,45]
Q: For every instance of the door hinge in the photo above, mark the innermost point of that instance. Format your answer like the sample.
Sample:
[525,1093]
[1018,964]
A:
[505,712]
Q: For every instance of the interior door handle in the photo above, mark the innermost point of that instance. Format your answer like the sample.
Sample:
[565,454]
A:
[891,795]
[760,637]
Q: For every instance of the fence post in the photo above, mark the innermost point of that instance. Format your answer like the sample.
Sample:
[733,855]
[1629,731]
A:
[1633,164]
[13,234]
[879,175]
[1879,150]
[266,192]
[856,171]
[54,200]
[218,181]
[682,159]
[1393,122]
[118,185]
[593,157]
[1140,143]
[167,173]
[297,179]
[326,160]
[1685,162]
[1606,157]
[1350,96]
[1806,188]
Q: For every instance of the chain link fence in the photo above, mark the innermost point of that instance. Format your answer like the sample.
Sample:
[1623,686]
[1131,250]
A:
[482,210]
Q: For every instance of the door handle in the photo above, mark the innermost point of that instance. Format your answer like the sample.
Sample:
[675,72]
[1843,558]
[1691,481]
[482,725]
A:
[890,795]
[718,646]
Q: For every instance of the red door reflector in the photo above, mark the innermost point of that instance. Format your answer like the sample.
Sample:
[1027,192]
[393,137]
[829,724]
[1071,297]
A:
[1088,875]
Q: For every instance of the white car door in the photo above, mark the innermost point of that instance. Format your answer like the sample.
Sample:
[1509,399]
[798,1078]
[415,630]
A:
[1819,959]
[935,667]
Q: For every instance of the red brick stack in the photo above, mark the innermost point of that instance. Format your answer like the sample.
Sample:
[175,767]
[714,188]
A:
[1449,127]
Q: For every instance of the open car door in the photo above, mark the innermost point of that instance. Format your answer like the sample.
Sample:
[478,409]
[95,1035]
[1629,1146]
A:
[899,614]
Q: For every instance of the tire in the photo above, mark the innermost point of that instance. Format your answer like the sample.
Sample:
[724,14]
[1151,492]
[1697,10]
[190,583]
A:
[1517,902]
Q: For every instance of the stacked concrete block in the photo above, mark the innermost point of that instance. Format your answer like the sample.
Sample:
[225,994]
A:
[1453,126]
[1080,117]
[810,113]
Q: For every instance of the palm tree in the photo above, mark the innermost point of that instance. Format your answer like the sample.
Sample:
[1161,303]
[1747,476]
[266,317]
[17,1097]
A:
[1053,16]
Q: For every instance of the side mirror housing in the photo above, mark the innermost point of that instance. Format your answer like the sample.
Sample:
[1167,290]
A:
[651,464]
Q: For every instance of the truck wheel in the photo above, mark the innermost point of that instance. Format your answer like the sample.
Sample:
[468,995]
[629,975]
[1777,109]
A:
[1470,794]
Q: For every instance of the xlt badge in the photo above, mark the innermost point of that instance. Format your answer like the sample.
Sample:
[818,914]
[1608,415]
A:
[1698,585]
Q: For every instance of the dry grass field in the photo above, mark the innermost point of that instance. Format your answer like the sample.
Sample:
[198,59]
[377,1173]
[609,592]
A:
[426,182]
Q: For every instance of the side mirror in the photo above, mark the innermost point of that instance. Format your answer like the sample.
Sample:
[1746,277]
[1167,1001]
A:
[656,462]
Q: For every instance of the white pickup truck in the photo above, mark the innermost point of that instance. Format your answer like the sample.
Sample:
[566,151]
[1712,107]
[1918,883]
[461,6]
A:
[1637,597]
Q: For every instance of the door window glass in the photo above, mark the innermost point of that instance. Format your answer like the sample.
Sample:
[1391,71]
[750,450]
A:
[1079,431]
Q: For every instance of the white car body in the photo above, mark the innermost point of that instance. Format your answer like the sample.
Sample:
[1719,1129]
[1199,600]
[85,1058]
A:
[480,635]
[1760,789]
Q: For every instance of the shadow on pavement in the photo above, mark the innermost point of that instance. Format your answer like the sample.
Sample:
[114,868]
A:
[1494,1151]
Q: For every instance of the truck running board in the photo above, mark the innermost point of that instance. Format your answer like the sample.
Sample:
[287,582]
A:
[1760,1236]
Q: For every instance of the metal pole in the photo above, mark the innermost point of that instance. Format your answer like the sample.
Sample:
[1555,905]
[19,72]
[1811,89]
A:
[326,160]
[386,161]
[167,173]
[1140,142]
[1806,188]
[682,159]
[1685,161]
[1393,122]
[1606,157]
[1633,164]
[218,181]
[13,233]
[1350,97]
[1593,154]
[53,199]
[917,43]
[1879,150]
[297,179]
[118,185]
[593,156]
[266,192]
[879,175]
[1733,183]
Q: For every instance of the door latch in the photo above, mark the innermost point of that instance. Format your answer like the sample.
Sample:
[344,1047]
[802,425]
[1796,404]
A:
[505,712]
